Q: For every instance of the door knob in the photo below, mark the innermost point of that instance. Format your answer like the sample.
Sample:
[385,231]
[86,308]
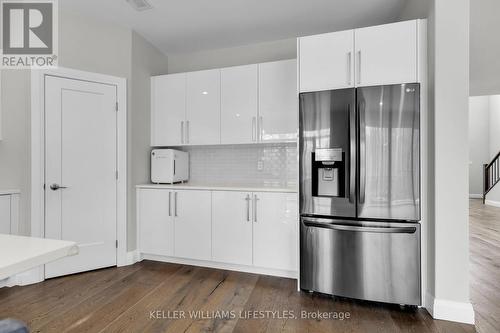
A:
[55,187]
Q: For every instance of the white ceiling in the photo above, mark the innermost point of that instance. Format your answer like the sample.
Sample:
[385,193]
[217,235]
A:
[179,26]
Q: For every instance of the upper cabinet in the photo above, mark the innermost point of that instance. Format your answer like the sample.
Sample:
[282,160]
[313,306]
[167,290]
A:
[239,104]
[278,101]
[326,61]
[203,107]
[168,109]
[385,54]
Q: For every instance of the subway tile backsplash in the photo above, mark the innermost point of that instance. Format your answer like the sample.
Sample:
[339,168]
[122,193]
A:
[268,165]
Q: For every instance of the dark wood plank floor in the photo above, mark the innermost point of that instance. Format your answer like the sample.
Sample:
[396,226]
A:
[484,231]
[144,297]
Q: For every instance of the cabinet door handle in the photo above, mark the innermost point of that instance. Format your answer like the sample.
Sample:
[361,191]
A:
[169,200]
[247,199]
[255,199]
[261,127]
[175,204]
[349,65]
[253,129]
[359,67]
[187,131]
[182,131]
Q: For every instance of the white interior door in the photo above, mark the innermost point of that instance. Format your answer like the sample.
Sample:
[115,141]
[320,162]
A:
[80,158]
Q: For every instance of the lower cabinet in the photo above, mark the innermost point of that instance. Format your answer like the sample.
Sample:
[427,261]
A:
[275,230]
[174,223]
[232,227]
[256,229]
[192,227]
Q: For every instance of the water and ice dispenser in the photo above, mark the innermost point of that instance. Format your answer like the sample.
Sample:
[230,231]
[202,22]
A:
[328,172]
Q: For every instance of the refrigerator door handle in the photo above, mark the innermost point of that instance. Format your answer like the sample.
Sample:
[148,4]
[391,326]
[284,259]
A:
[341,227]
[362,152]
[352,148]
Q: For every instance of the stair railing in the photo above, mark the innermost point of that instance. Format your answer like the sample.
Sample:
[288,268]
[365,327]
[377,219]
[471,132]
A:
[491,175]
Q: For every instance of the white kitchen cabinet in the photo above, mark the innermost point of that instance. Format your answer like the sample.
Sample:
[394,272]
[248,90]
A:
[203,107]
[192,231]
[239,104]
[232,227]
[386,54]
[4,214]
[168,109]
[278,101]
[155,221]
[326,61]
[275,230]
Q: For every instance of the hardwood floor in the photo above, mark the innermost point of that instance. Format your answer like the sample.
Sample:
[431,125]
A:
[158,297]
[484,232]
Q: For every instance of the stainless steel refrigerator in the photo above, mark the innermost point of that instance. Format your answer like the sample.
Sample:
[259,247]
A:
[360,193]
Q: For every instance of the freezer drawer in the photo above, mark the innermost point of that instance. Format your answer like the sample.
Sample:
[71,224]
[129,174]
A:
[376,261]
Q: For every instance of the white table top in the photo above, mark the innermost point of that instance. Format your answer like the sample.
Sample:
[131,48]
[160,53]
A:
[20,253]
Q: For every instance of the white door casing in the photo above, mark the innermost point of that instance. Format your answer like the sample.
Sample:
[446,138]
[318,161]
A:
[81,154]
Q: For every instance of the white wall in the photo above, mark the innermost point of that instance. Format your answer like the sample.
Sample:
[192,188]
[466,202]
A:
[451,156]
[88,45]
[241,55]
[479,150]
[493,197]
[484,47]
[146,61]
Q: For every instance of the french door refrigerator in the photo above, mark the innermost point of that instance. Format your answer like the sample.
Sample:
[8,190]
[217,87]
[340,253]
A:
[360,193]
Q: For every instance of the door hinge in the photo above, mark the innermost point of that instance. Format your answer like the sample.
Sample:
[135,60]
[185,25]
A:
[116,106]
[116,243]
[44,187]
[116,174]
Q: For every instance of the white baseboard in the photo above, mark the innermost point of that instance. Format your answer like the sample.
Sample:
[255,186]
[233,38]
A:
[217,265]
[132,258]
[461,312]
[492,203]
[475,196]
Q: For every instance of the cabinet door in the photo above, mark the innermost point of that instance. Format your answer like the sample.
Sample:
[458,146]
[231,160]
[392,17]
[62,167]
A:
[239,104]
[326,61]
[278,100]
[203,107]
[4,214]
[275,231]
[155,222]
[386,54]
[168,109]
[192,210]
[232,227]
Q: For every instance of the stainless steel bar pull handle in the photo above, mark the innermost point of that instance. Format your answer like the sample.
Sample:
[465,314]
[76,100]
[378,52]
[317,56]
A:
[359,67]
[247,199]
[261,127]
[175,204]
[255,199]
[362,152]
[341,227]
[352,148]
[253,128]
[182,131]
[349,65]
[169,200]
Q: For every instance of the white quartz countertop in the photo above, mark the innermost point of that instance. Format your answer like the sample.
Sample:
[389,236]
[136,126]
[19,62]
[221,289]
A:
[20,253]
[225,187]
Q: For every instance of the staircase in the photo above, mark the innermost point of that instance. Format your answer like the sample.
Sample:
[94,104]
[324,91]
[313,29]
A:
[491,174]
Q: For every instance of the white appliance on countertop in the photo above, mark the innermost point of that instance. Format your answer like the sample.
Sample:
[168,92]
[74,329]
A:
[169,166]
